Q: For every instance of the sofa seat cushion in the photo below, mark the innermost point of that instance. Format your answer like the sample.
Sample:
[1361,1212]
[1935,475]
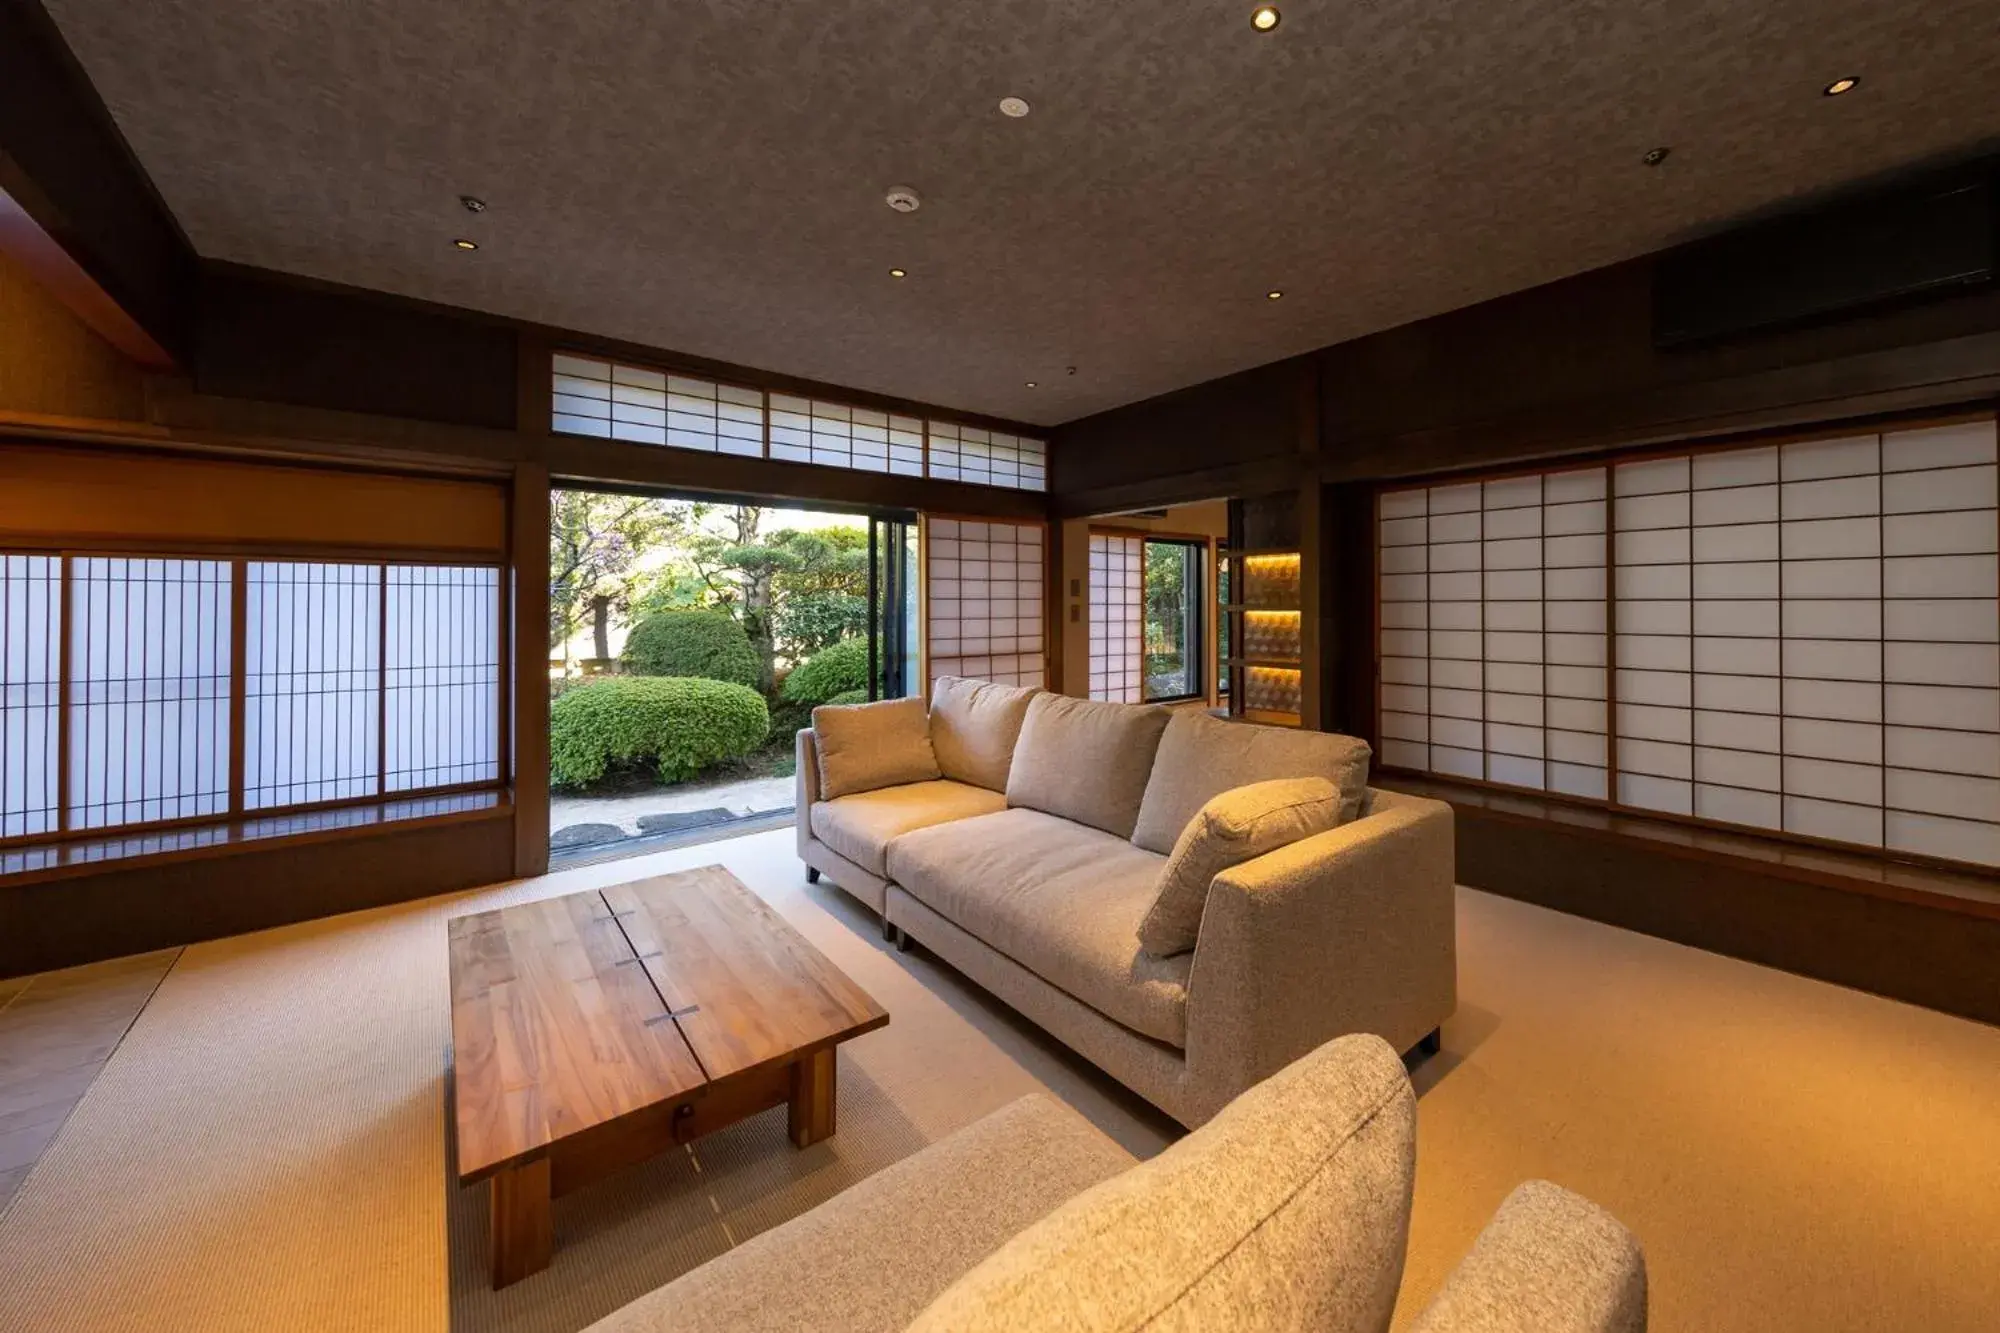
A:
[1200,757]
[861,827]
[974,725]
[1062,900]
[873,1255]
[1287,1213]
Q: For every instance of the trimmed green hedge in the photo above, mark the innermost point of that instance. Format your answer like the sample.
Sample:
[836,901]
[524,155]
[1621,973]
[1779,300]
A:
[709,644]
[850,697]
[679,725]
[840,669]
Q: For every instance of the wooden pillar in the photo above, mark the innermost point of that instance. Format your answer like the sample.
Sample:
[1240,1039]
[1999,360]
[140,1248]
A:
[528,562]
[1313,552]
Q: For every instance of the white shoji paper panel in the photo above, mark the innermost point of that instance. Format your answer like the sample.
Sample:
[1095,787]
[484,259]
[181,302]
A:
[987,457]
[652,407]
[1652,580]
[149,690]
[312,682]
[1116,640]
[983,602]
[836,435]
[443,659]
[1808,636]
[1493,631]
[1941,643]
[30,664]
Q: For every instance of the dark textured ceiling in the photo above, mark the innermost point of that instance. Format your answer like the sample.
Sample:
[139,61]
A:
[710,177]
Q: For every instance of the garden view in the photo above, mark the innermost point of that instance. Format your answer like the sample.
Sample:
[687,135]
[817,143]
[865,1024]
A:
[688,642]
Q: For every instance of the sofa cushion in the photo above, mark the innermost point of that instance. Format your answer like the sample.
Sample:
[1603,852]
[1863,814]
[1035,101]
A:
[1200,757]
[865,746]
[974,724]
[871,1257]
[1287,1211]
[1062,900]
[1086,760]
[1241,823]
[861,827]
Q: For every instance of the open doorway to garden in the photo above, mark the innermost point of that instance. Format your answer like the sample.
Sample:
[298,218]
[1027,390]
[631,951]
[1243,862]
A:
[690,639]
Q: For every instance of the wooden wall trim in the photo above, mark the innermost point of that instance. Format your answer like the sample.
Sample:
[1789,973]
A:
[115,910]
[1927,952]
[23,240]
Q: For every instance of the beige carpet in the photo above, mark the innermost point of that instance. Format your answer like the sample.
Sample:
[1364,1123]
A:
[266,1150]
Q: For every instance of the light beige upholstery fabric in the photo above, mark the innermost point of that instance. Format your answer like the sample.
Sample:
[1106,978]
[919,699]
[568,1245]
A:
[1062,900]
[1156,1071]
[1233,827]
[974,725]
[866,746]
[1201,757]
[1360,919]
[1288,1211]
[860,827]
[872,1256]
[1549,1262]
[1087,760]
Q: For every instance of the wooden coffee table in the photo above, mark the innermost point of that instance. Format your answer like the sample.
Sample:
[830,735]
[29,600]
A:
[593,1031]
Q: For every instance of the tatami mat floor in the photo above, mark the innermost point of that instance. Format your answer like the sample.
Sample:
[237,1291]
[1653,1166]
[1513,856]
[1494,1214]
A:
[266,1147]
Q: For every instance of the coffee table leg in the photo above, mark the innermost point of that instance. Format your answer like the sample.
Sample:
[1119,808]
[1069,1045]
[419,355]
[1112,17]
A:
[523,1235]
[813,1098]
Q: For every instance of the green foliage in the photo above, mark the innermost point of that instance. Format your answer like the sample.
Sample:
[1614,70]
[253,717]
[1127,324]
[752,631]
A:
[850,697]
[692,643]
[596,542]
[837,670]
[819,591]
[677,725]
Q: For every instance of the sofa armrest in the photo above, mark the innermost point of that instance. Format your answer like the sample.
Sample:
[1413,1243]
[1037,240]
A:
[1549,1262]
[1352,930]
[805,785]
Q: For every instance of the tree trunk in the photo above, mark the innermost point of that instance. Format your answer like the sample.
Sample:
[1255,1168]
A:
[600,626]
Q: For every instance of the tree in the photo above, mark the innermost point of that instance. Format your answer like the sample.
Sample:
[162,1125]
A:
[595,543]
[820,595]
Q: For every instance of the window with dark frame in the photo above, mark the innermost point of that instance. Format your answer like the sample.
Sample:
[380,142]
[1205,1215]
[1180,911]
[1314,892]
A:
[141,692]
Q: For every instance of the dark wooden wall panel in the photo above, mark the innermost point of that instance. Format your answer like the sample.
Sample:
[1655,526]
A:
[295,343]
[1908,951]
[63,922]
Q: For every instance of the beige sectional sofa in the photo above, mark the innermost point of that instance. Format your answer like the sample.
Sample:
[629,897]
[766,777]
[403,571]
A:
[1030,860]
[1288,1211]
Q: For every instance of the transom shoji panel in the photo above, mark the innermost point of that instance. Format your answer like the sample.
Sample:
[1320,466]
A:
[1116,643]
[835,435]
[652,407]
[1493,627]
[1807,636]
[983,602]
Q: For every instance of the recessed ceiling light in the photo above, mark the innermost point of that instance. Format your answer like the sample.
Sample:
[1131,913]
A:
[898,273]
[1655,156]
[1273,294]
[1842,85]
[1264,17]
[1031,384]
[473,204]
[464,244]
[1015,107]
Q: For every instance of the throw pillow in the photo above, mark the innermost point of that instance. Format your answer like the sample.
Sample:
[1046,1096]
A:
[1232,828]
[1202,756]
[974,724]
[1085,760]
[866,746]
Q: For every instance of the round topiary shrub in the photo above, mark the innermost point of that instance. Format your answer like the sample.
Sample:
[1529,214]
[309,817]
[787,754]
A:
[709,644]
[678,725]
[840,669]
[850,697]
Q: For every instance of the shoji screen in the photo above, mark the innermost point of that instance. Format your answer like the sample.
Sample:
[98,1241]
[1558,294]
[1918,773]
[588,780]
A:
[312,683]
[1493,626]
[1116,671]
[30,670]
[983,601]
[1806,636]
[442,677]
